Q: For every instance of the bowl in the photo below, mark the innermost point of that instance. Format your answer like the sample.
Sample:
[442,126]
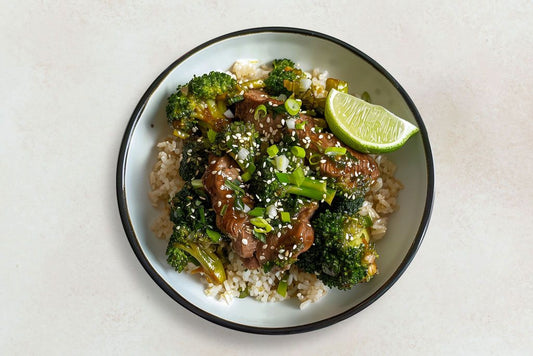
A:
[311,50]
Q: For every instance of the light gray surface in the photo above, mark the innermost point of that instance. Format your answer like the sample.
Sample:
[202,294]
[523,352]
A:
[70,78]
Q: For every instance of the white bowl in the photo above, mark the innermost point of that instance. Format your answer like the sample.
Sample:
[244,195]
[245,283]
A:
[310,50]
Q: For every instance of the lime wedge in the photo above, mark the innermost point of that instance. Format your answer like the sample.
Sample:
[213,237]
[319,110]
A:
[365,127]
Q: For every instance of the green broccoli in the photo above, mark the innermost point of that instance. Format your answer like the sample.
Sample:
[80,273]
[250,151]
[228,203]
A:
[192,208]
[342,254]
[186,245]
[284,77]
[195,153]
[194,238]
[202,101]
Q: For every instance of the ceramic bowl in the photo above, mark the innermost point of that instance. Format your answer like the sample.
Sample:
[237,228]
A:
[310,50]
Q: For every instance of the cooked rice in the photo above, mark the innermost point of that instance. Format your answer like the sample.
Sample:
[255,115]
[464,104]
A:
[165,181]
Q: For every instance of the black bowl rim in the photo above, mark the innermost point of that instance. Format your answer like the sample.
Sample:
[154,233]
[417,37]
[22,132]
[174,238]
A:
[130,233]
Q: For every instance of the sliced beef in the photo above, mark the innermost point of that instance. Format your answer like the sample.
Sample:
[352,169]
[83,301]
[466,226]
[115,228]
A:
[229,220]
[269,126]
[354,169]
[290,242]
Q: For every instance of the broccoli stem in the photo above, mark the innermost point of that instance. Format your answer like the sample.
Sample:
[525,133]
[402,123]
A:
[212,266]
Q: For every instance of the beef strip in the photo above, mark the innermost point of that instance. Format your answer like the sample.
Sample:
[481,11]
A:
[233,222]
[292,241]
[270,126]
[354,169]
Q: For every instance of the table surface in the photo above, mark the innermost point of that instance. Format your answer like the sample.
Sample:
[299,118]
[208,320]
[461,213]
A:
[71,74]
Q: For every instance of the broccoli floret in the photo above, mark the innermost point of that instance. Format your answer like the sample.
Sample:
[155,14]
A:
[342,254]
[194,237]
[192,209]
[282,78]
[203,101]
[241,141]
[349,206]
[186,245]
[193,162]
[209,86]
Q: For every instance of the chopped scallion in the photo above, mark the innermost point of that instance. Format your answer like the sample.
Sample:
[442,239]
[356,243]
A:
[211,135]
[260,112]
[257,212]
[314,159]
[272,150]
[298,151]
[292,106]
[197,183]
[285,216]
[300,125]
[261,225]
[298,176]
[335,151]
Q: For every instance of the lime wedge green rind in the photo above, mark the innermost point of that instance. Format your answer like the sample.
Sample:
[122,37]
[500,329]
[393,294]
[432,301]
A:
[365,127]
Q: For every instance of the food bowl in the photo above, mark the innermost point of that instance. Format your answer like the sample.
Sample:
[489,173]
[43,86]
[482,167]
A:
[310,50]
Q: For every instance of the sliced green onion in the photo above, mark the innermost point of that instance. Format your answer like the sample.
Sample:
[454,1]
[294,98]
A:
[257,212]
[243,293]
[272,150]
[211,135]
[213,235]
[223,210]
[300,125]
[197,183]
[298,176]
[261,225]
[284,178]
[233,186]
[285,216]
[292,106]
[335,151]
[283,285]
[246,176]
[318,185]
[312,193]
[260,112]
[314,159]
[298,151]
[258,235]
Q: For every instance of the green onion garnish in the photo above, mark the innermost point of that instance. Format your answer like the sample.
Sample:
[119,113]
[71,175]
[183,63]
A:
[283,284]
[298,151]
[300,125]
[246,176]
[312,193]
[223,210]
[261,225]
[298,176]
[257,212]
[213,235]
[260,112]
[285,216]
[272,150]
[211,135]
[233,186]
[197,183]
[366,97]
[335,151]
[315,158]
[292,106]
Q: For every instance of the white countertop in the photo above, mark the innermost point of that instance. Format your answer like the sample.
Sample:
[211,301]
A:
[71,75]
